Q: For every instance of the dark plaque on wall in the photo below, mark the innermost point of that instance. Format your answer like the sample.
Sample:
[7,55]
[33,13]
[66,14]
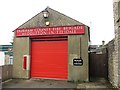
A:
[78,62]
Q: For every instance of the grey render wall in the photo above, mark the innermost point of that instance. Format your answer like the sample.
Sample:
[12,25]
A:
[76,73]
[55,18]
[21,46]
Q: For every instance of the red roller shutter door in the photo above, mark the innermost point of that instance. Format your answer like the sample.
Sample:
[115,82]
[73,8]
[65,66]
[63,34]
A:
[49,59]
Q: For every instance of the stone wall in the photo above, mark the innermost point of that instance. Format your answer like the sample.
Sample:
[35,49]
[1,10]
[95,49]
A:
[113,48]
[111,55]
[116,55]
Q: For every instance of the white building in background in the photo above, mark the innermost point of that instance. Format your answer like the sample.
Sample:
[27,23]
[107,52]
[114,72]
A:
[6,55]
[2,58]
[8,59]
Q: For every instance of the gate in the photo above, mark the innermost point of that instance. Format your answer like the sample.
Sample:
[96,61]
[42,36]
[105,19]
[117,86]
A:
[98,65]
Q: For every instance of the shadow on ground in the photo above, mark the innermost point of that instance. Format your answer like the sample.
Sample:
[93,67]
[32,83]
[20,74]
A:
[38,83]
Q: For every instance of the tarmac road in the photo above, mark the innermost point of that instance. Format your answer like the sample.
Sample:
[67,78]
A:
[38,84]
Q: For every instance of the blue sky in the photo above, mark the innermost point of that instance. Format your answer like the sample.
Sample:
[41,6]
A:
[98,14]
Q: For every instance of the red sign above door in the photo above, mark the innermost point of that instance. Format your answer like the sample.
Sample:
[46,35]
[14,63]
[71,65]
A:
[57,30]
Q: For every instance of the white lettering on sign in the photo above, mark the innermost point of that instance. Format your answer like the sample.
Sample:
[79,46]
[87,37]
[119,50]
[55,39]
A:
[64,30]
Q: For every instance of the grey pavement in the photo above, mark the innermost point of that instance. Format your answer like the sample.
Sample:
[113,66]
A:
[99,84]
[38,83]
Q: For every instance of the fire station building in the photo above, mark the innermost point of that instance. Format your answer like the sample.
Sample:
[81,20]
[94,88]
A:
[51,45]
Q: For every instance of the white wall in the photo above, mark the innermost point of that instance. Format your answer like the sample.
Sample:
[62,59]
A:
[2,58]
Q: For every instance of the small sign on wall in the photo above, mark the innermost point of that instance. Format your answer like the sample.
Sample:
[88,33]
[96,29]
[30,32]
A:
[77,61]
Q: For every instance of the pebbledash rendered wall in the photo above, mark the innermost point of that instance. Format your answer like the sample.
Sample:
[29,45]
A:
[21,46]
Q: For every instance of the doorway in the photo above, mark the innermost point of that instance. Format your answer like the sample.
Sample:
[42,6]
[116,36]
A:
[98,65]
